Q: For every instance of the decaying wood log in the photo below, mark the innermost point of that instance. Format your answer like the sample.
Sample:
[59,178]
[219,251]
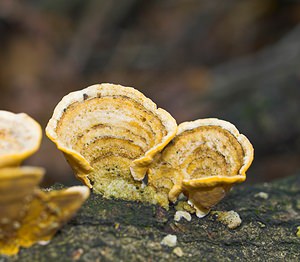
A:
[114,230]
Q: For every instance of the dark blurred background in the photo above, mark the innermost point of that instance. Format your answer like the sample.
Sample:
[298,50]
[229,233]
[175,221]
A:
[238,60]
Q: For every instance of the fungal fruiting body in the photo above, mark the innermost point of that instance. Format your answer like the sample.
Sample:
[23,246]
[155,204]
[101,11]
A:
[110,135]
[114,137]
[204,160]
[20,137]
[28,214]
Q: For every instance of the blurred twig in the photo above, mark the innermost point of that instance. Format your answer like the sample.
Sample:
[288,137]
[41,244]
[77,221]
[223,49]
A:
[98,18]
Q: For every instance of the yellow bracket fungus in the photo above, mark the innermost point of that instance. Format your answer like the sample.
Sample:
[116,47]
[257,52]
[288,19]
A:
[110,134]
[204,160]
[20,137]
[28,214]
[114,137]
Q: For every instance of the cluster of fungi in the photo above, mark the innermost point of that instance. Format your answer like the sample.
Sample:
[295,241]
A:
[28,214]
[121,145]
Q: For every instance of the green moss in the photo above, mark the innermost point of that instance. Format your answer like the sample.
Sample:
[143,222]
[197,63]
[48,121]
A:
[298,231]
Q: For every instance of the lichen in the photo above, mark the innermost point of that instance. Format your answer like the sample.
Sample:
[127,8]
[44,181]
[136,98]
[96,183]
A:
[298,231]
[182,214]
[184,206]
[231,218]
[169,240]
[178,251]
[262,195]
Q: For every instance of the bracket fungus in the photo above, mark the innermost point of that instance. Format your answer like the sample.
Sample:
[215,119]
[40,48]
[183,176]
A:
[110,134]
[20,137]
[28,214]
[114,137]
[204,160]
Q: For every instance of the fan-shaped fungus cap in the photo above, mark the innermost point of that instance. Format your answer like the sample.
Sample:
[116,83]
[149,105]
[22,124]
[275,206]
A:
[20,137]
[207,156]
[29,215]
[110,133]
[17,186]
[48,212]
